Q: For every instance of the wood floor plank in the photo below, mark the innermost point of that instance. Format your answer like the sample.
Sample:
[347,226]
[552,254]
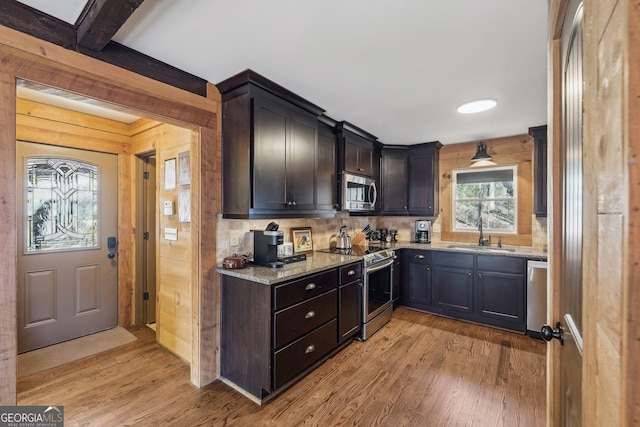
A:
[418,370]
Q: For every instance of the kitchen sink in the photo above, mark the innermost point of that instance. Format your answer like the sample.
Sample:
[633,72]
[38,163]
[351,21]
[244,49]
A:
[478,248]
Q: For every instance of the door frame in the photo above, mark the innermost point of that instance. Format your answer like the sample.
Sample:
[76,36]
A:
[27,57]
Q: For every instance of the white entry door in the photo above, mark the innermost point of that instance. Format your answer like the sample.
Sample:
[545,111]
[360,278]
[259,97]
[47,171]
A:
[67,244]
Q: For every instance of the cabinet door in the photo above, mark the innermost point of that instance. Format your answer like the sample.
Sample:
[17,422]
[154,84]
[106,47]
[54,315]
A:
[422,181]
[350,311]
[453,289]
[500,299]
[358,155]
[419,286]
[271,135]
[394,181]
[326,178]
[301,161]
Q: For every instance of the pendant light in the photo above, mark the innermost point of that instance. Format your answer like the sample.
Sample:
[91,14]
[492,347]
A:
[482,158]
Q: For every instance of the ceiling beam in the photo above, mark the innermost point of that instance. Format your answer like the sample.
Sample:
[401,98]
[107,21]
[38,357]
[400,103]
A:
[30,21]
[38,24]
[102,21]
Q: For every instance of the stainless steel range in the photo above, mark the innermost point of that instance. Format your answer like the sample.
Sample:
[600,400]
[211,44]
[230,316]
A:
[377,291]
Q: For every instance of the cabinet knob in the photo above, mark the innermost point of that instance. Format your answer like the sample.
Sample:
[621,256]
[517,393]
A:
[310,349]
[310,287]
[428,268]
[470,274]
[310,315]
[420,256]
[293,203]
[351,273]
[479,274]
[361,169]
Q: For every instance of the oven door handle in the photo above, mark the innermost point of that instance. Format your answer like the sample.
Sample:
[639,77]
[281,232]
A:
[379,267]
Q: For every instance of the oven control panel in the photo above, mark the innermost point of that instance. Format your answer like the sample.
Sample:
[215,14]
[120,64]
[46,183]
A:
[376,257]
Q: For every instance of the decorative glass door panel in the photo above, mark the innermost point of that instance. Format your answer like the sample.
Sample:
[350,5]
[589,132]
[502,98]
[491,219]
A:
[62,204]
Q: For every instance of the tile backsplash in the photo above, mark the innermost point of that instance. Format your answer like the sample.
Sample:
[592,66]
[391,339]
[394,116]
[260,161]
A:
[234,235]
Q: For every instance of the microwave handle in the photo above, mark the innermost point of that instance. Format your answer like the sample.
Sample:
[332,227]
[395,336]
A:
[373,189]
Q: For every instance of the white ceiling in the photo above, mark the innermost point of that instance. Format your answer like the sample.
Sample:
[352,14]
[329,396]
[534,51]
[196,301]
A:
[397,69]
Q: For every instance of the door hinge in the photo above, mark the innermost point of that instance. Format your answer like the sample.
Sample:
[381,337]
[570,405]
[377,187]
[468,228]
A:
[146,175]
[145,296]
[145,235]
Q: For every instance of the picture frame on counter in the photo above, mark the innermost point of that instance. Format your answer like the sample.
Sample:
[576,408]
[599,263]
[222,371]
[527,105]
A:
[302,240]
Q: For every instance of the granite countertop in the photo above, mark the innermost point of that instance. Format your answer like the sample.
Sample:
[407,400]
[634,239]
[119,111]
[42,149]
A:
[318,261]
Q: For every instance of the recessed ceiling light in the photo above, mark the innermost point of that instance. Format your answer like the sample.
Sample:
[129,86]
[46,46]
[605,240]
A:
[477,105]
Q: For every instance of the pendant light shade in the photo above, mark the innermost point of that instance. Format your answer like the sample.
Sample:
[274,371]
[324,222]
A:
[481,154]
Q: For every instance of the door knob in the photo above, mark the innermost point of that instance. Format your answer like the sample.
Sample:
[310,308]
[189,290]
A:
[548,333]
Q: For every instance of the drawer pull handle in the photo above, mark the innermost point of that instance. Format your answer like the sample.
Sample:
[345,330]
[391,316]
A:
[351,273]
[310,287]
[420,256]
[310,315]
[310,349]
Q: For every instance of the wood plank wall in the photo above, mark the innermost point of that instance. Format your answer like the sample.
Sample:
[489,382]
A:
[611,273]
[611,251]
[513,150]
[42,62]
[174,259]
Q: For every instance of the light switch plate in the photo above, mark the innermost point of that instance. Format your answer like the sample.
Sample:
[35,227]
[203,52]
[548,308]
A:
[171,234]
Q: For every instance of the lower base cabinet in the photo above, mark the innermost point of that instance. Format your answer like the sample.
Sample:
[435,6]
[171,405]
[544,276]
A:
[271,335]
[487,289]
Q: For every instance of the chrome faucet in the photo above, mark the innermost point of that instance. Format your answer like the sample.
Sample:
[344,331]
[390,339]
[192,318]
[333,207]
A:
[482,241]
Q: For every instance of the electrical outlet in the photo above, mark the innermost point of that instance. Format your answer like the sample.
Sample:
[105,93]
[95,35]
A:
[436,228]
[234,238]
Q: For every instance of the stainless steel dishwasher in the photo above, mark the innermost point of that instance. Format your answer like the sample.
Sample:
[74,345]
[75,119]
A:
[536,297]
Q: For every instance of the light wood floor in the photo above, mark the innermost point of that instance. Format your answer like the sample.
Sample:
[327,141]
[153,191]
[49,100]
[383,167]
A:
[419,370]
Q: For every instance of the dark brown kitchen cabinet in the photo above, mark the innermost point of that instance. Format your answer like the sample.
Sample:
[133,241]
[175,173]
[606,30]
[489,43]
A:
[453,283]
[357,149]
[416,287]
[539,134]
[500,292]
[272,335]
[350,301]
[270,152]
[284,156]
[395,179]
[326,171]
[487,289]
[410,179]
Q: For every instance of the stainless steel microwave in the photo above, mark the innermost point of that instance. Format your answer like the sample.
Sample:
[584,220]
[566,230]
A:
[359,193]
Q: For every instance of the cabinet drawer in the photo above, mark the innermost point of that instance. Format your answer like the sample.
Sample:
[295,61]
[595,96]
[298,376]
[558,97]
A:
[418,257]
[502,264]
[296,321]
[350,273]
[454,259]
[305,288]
[300,354]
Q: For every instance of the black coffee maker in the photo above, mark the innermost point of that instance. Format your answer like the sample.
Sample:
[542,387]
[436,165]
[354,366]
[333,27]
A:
[265,246]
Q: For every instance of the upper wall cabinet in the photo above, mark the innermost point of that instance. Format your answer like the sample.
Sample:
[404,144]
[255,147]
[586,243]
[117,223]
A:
[539,134]
[357,148]
[410,179]
[270,152]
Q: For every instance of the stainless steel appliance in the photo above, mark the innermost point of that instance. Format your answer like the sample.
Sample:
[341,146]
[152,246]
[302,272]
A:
[359,193]
[536,297]
[265,247]
[377,291]
[423,231]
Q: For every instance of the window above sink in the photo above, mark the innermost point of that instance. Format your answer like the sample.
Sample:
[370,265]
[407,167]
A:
[488,195]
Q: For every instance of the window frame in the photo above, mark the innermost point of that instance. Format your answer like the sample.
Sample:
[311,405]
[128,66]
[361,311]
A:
[485,229]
